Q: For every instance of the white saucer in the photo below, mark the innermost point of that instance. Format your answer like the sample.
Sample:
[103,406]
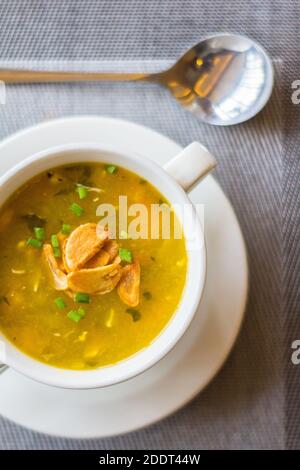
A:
[198,356]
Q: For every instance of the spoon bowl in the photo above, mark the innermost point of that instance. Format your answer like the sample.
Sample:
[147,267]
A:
[224,80]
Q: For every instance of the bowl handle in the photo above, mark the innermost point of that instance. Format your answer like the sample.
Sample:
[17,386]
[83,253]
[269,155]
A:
[191,165]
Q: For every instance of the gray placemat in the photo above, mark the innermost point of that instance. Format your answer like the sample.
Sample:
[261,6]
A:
[244,406]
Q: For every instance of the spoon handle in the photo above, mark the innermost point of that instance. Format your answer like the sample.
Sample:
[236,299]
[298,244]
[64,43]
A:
[27,76]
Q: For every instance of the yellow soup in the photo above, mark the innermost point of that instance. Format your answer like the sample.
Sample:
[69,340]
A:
[72,300]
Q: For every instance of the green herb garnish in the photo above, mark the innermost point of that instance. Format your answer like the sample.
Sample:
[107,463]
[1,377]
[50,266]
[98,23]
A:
[35,243]
[81,191]
[66,229]
[136,315]
[76,315]
[111,169]
[57,252]
[125,255]
[54,241]
[60,303]
[39,233]
[76,209]
[82,298]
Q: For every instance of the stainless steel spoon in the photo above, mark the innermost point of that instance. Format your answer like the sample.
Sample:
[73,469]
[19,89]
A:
[225,79]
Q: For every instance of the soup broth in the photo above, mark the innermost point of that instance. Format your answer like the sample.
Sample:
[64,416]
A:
[74,329]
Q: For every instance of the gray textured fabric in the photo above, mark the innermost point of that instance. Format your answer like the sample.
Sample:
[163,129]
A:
[244,406]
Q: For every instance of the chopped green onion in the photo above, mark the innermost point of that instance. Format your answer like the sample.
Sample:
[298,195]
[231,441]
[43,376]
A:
[35,243]
[57,252]
[39,233]
[76,209]
[60,303]
[125,255]
[82,298]
[82,192]
[66,229]
[76,315]
[111,169]
[54,241]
